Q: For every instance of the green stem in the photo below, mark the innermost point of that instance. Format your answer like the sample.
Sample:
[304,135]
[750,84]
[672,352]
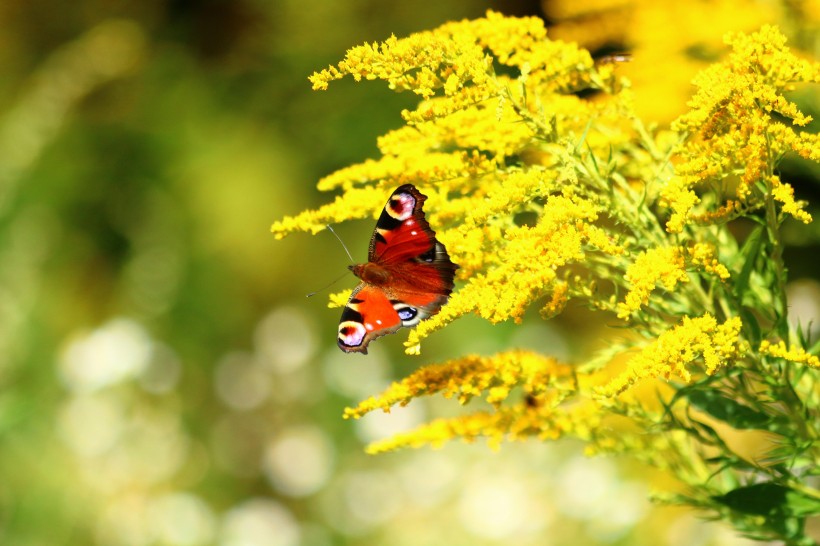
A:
[781,325]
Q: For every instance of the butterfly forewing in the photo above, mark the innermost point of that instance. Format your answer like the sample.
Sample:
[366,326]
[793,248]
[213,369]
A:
[402,233]
[408,278]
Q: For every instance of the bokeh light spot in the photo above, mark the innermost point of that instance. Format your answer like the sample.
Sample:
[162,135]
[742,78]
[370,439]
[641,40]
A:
[118,350]
[285,339]
[259,522]
[182,519]
[91,424]
[240,382]
[298,461]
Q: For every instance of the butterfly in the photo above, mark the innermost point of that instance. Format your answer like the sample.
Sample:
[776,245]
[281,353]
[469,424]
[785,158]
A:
[407,278]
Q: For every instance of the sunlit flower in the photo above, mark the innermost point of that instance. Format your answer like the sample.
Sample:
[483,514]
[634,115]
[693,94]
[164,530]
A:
[558,300]
[464,378]
[663,265]
[794,354]
[735,118]
[517,422]
[703,256]
[527,268]
[699,339]
[669,43]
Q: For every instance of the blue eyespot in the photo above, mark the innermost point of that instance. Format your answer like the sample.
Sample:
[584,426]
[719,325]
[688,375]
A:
[407,313]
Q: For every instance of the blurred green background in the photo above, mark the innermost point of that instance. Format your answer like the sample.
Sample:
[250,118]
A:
[163,379]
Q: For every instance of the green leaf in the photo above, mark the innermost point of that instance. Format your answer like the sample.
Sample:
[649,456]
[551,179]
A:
[760,499]
[750,321]
[814,349]
[770,499]
[800,505]
[749,253]
[727,410]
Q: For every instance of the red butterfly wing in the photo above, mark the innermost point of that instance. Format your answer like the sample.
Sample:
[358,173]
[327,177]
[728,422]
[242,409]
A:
[408,278]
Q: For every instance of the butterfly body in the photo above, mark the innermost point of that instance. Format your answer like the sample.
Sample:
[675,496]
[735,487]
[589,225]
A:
[407,278]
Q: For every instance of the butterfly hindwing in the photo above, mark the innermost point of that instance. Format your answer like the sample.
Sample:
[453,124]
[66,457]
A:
[408,277]
[371,313]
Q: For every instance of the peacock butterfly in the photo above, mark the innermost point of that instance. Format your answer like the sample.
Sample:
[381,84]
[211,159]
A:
[407,278]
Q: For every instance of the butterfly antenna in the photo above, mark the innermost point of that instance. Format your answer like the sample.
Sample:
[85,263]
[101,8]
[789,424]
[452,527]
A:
[328,286]
[340,276]
[342,242]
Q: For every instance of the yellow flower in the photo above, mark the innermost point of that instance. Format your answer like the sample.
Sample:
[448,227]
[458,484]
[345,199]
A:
[664,265]
[785,194]
[795,354]
[516,422]
[730,210]
[355,203]
[676,350]
[669,42]
[460,54]
[339,299]
[526,268]
[558,300]
[703,255]
[735,126]
[472,376]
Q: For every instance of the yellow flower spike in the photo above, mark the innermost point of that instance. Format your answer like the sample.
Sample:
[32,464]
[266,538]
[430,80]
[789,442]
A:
[417,165]
[664,265]
[558,300]
[674,351]
[354,204]
[440,431]
[531,257]
[703,256]
[784,193]
[726,212]
[734,127]
[471,376]
[517,422]
[795,354]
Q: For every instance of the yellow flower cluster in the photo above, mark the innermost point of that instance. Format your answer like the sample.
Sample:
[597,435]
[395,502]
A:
[541,194]
[703,256]
[669,42]
[512,423]
[558,300]
[470,376]
[728,211]
[795,354]
[676,350]
[664,265]
[735,125]
[339,299]
[355,203]
[459,55]
[416,164]
[527,267]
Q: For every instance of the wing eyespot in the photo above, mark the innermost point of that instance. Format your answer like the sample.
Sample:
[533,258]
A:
[351,334]
[401,206]
[409,316]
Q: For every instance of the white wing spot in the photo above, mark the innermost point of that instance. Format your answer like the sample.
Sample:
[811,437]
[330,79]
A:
[368,325]
[378,321]
[414,232]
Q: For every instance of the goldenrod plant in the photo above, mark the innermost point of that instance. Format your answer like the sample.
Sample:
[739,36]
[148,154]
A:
[546,188]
